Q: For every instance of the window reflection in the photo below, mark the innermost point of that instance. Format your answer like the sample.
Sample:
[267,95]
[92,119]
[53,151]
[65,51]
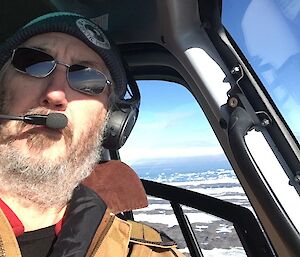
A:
[268,33]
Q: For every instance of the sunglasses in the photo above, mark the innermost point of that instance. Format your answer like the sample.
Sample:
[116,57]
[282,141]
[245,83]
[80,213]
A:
[39,64]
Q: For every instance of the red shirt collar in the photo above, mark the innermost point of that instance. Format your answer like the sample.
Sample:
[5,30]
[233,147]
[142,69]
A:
[16,223]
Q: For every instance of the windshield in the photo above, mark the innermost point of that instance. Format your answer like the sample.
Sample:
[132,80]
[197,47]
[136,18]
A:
[268,33]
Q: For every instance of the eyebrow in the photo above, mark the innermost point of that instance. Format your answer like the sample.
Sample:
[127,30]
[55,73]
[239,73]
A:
[43,47]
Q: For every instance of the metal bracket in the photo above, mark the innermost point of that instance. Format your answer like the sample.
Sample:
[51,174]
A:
[265,119]
[233,100]
[238,73]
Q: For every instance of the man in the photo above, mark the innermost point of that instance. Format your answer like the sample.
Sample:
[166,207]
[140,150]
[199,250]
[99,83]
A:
[61,62]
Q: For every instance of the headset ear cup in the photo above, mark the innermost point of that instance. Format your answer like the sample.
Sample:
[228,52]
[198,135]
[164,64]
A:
[123,115]
[119,125]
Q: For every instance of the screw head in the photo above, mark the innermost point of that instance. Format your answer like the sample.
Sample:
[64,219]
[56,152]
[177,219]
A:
[235,70]
[233,102]
[265,122]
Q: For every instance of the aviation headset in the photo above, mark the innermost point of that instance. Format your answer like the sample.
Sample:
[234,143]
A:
[124,111]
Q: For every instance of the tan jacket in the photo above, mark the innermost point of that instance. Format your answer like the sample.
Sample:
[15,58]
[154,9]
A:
[113,238]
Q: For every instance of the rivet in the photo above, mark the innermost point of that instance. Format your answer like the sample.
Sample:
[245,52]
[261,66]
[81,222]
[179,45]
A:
[233,102]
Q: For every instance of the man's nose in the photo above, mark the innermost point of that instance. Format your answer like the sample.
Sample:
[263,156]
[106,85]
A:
[54,97]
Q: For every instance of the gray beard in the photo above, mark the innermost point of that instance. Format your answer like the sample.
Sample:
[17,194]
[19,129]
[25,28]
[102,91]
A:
[48,184]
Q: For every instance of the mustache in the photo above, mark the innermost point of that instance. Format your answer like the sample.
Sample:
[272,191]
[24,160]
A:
[40,111]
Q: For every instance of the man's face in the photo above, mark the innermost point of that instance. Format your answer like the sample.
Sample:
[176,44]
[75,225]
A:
[22,94]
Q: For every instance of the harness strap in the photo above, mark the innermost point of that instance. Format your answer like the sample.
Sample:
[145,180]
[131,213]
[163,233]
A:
[146,235]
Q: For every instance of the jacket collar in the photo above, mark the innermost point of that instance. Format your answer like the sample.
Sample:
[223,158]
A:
[83,216]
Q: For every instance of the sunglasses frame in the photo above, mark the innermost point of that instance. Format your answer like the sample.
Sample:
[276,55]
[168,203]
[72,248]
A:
[55,63]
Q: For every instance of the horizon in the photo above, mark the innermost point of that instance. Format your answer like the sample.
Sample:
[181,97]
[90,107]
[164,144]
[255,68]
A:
[171,124]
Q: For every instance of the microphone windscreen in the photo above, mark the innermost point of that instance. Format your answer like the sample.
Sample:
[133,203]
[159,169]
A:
[56,120]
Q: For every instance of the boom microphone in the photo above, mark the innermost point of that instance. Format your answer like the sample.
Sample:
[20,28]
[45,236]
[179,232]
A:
[53,120]
[56,120]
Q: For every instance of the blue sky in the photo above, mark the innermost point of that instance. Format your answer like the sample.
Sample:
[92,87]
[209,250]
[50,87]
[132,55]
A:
[172,124]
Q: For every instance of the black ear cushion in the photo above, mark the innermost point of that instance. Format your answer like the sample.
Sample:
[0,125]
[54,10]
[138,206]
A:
[118,127]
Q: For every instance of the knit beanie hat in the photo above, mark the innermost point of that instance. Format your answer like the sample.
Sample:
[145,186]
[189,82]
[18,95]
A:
[80,27]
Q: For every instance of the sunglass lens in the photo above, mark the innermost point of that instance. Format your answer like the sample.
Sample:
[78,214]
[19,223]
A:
[86,80]
[33,62]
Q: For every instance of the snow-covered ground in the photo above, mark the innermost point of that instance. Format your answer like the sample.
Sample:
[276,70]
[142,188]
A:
[215,236]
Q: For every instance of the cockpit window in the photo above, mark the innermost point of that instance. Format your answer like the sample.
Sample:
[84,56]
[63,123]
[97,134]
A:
[173,143]
[268,33]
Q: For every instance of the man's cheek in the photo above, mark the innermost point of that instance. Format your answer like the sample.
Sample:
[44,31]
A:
[5,100]
[8,131]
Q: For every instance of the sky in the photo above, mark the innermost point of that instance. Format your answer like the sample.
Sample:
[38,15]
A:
[171,123]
